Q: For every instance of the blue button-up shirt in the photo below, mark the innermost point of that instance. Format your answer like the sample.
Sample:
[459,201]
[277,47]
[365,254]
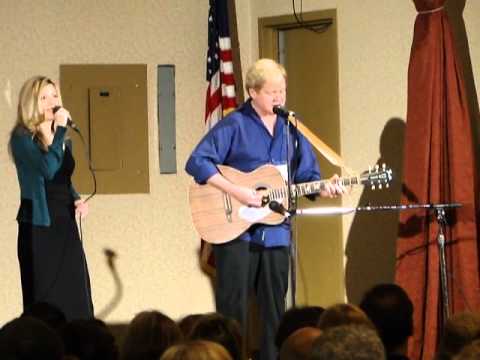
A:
[242,141]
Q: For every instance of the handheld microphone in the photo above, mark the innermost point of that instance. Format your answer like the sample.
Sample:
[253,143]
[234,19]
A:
[69,120]
[280,110]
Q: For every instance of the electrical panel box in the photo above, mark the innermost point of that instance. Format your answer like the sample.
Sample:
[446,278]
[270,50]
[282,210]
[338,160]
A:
[108,103]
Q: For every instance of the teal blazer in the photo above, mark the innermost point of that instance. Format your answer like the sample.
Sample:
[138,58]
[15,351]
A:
[34,166]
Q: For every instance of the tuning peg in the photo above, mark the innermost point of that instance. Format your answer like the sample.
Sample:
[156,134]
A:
[369,169]
[380,186]
[377,167]
[387,185]
[373,186]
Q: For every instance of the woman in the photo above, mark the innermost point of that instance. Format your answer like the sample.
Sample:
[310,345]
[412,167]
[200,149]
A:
[52,262]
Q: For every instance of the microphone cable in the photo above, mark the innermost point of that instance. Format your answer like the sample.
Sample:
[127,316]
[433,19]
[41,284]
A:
[92,172]
[318,27]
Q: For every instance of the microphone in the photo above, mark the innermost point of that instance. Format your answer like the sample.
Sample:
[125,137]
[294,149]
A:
[69,120]
[280,110]
[278,207]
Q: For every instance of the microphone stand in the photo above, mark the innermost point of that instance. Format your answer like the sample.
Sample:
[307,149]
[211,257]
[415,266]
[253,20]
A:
[442,223]
[291,200]
[289,117]
[438,209]
[292,203]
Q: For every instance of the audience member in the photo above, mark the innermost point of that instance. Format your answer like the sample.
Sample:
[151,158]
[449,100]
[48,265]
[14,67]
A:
[26,338]
[222,330]
[348,342]
[469,352]
[296,318]
[89,340]
[460,330]
[343,314]
[149,334]
[391,311]
[197,350]
[48,313]
[187,323]
[298,345]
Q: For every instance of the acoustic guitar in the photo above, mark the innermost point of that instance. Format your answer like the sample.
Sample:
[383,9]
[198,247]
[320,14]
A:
[218,217]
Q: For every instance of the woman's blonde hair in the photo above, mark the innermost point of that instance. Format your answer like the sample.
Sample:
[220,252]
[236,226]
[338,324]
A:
[260,71]
[196,350]
[28,112]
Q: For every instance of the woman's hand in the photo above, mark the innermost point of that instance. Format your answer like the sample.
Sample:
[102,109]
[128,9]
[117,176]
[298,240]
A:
[81,208]
[61,117]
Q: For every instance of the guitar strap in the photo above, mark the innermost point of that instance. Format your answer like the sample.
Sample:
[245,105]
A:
[327,152]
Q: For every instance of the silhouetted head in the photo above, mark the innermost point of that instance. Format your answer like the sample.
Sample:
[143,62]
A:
[27,338]
[197,350]
[89,340]
[348,342]
[219,329]
[149,334]
[460,330]
[298,345]
[48,313]
[343,314]
[391,311]
[297,318]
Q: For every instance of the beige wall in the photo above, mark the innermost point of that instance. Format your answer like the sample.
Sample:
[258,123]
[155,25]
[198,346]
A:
[152,234]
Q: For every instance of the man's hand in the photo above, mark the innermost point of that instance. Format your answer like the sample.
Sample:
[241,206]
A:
[333,188]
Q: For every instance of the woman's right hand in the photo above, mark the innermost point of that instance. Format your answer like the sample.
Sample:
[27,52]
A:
[61,117]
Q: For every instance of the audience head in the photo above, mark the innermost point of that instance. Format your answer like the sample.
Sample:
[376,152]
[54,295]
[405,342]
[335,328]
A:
[89,340]
[469,352]
[219,329]
[391,311]
[298,345]
[187,323]
[343,314]
[460,330]
[148,335]
[348,342]
[48,313]
[27,338]
[196,350]
[296,318]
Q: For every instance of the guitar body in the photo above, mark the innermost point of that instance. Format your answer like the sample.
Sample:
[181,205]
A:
[219,217]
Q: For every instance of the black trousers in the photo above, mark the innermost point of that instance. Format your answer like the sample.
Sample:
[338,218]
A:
[243,267]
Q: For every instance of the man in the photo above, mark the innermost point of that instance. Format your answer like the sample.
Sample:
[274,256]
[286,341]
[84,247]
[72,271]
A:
[298,346]
[248,138]
[391,310]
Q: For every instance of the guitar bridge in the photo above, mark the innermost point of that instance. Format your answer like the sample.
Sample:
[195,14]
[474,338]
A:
[227,206]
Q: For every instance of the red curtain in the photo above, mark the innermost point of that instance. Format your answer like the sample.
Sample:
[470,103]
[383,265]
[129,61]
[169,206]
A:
[438,168]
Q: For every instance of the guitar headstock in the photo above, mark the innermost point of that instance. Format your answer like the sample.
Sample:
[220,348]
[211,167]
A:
[377,177]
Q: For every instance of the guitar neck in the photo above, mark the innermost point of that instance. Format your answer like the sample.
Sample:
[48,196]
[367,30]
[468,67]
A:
[313,187]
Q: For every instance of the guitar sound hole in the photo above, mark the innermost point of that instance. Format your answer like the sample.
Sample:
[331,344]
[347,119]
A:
[265,198]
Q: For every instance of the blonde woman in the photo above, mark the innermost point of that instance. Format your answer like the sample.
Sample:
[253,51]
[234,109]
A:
[196,350]
[52,261]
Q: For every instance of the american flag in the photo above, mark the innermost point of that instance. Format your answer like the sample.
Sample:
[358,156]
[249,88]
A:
[220,98]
